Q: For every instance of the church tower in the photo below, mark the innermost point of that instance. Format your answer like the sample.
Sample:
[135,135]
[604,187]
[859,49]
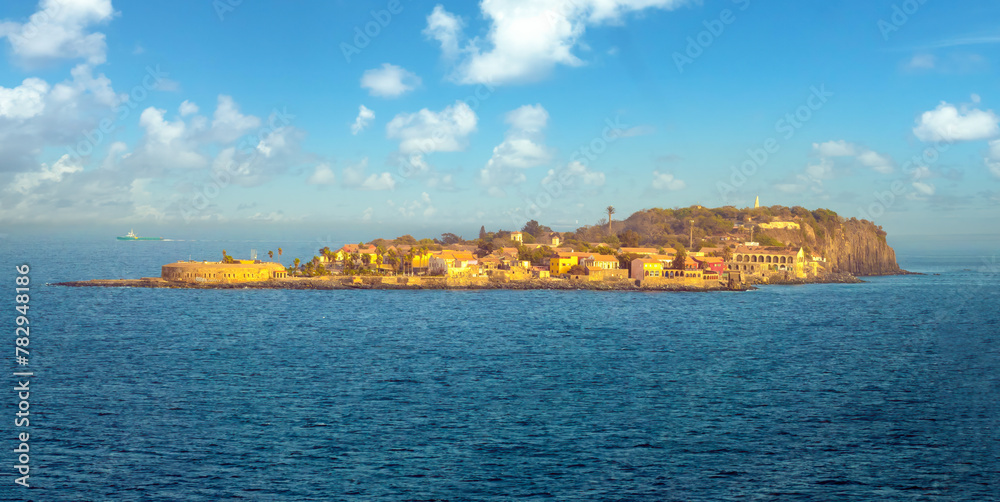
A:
[756,202]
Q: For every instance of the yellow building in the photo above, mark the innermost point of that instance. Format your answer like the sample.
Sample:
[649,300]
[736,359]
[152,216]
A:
[645,267]
[242,271]
[764,259]
[349,249]
[562,263]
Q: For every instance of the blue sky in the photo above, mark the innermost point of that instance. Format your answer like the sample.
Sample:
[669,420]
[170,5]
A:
[452,115]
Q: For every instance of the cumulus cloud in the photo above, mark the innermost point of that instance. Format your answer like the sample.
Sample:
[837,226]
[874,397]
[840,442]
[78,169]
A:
[24,182]
[421,206]
[526,40]
[427,131]
[188,108]
[570,175]
[389,81]
[228,124]
[521,148]
[60,29]
[364,119]
[356,176]
[864,156]
[950,123]
[24,101]
[446,28]
[322,175]
[667,181]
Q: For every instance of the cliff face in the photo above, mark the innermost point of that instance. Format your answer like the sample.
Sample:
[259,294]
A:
[853,246]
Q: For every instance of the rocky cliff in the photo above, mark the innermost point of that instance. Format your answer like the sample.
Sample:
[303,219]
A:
[853,246]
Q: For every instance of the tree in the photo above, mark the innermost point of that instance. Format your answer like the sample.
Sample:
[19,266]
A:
[485,249]
[577,270]
[407,240]
[625,260]
[270,255]
[482,232]
[448,239]
[612,240]
[279,251]
[680,258]
[629,238]
[297,261]
[727,253]
[534,228]
[611,211]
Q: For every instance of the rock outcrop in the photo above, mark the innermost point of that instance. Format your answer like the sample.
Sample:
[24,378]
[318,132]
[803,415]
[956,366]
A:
[852,246]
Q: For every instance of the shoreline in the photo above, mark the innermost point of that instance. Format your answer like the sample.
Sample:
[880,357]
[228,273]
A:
[375,283]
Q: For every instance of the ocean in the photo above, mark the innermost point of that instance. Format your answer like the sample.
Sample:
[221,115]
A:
[885,390]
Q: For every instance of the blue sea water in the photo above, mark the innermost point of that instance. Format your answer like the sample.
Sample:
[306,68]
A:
[886,390]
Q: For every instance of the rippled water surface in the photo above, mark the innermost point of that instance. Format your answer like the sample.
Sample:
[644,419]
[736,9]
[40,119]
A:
[886,390]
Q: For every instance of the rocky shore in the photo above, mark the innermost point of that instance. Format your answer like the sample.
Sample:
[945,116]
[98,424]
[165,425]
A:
[332,283]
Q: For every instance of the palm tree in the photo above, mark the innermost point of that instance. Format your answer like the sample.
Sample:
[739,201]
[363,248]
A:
[409,257]
[270,255]
[279,251]
[392,257]
[610,210]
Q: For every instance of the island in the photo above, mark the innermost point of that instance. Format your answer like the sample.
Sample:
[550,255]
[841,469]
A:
[727,249]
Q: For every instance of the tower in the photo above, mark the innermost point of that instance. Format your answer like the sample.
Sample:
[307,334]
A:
[756,202]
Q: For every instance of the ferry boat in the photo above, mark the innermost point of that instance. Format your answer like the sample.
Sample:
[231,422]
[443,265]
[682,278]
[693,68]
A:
[132,237]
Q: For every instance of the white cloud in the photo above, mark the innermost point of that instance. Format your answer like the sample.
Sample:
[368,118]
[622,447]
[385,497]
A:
[25,182]
[865,156]
[950,123]
[422,206]
[188,108]
[60,30]
[569,175]
[364,119]
[526,40]
[383,181]
[426,131]
[521,148]
[446,28]
[993,158]
[24,101]
[835,149]
[228,124]
[667,181]
[924,188]
[876,162]
[322,175]
[165,144]
[922,62]
[356,176]
[390,81]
